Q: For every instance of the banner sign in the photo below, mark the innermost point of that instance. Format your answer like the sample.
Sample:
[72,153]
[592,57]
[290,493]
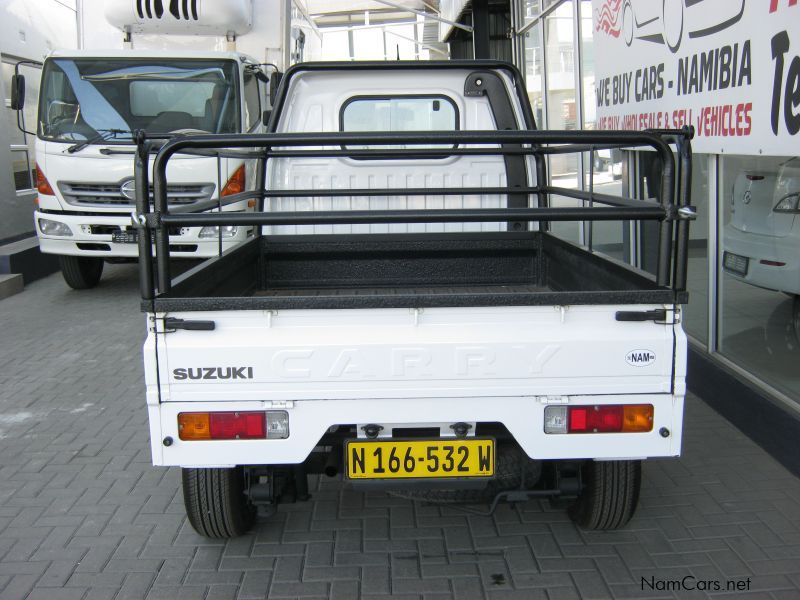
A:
[730,68]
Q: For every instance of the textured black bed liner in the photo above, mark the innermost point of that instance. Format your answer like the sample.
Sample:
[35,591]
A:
[473,290]
[408,271]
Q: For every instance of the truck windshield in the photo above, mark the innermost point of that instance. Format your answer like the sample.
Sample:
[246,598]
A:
[82,98]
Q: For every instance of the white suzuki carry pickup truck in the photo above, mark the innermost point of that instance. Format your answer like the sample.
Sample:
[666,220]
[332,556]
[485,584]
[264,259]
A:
[404,317]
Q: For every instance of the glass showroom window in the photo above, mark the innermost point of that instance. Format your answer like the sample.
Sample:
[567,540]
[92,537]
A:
[561,85]
[531,9]
[534,68]
[695,314]
[602,169]
[759,283]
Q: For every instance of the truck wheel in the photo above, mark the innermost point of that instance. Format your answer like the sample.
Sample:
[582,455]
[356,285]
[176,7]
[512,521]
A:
[215,501]
[80,272]
[610,494]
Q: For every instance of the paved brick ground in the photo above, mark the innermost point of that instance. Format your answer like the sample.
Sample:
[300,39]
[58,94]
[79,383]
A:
[84,515]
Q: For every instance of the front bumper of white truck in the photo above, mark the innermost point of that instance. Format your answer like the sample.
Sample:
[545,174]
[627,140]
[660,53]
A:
[93,236]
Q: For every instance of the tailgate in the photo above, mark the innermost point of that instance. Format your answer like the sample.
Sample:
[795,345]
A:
[414,353]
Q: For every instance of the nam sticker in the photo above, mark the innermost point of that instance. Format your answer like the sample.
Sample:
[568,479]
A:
[640,358]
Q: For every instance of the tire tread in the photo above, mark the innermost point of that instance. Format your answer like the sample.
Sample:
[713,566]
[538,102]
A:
[215,502]
[610,495]
[81,272]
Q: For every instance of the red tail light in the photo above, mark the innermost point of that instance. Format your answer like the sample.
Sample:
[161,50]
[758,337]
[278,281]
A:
[222,425]
[235,184]
[42,185]
[755,177]
[593,419]
[237,425]
[772,263]
[610,418]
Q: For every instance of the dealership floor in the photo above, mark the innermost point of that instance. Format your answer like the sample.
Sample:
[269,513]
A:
[83,514]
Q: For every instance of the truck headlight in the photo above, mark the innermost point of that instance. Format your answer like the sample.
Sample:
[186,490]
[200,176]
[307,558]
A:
[212,231]
[49,227]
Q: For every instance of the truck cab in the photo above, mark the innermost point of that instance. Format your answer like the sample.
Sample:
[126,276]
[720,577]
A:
[90,107]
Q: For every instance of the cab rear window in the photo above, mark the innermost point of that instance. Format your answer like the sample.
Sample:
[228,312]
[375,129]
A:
[399,113]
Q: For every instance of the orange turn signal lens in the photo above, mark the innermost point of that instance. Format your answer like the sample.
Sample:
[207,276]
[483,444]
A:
[42,185]
[637,417]
[235,184]
[194,426]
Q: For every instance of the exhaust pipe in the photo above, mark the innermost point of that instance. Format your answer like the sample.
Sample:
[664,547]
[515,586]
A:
[334,462]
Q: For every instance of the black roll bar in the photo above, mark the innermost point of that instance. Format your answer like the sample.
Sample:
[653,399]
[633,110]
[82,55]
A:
[526,142]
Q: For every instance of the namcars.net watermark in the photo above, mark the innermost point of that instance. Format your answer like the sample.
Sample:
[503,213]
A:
[691,583]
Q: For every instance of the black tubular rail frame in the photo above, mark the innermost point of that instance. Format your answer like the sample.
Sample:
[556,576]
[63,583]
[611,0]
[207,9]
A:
[517,138]
[534,143]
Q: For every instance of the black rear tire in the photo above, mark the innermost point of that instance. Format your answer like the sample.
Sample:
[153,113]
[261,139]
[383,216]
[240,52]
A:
[81,272]
[610,494]
[215,502]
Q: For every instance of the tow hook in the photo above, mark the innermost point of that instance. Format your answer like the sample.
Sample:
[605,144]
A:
[372,430]
[461,429]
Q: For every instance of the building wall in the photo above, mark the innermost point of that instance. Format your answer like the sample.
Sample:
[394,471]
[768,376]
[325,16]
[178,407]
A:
[751,328]
[29,29]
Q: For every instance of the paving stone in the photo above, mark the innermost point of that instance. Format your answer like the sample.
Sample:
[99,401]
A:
[419,586]
[591,585]
[375,580]
[84,515]
[315,589]
[468,588]
[330,573]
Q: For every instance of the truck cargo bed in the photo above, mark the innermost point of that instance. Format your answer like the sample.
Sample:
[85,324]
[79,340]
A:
[409,270]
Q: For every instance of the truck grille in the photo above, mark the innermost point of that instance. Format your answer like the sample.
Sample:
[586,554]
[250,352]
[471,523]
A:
[110,194]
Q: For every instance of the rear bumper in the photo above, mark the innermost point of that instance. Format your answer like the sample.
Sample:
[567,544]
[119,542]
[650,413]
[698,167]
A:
[756,248]
[84,243]
[310,419]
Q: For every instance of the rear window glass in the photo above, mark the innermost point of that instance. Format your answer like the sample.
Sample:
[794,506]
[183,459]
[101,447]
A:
[400,113]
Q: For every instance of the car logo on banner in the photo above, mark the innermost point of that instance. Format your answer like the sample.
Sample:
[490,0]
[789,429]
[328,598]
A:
[666,22]
[640,358]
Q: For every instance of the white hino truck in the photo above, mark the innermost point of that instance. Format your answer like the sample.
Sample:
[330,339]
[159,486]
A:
[403,316]
[182,70]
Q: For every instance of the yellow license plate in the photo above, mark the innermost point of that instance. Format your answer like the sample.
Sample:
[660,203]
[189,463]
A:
[399,459]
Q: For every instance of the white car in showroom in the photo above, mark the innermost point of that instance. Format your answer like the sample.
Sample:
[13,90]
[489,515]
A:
[762,240]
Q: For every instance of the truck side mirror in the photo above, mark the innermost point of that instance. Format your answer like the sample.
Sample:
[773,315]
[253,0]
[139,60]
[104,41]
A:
[265,117]
[274,82]
[17,92]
